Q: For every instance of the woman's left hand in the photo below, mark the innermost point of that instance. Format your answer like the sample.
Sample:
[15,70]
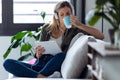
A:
[74,20]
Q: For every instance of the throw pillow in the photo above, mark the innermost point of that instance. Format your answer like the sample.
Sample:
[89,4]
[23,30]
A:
[76,58]
[75,38]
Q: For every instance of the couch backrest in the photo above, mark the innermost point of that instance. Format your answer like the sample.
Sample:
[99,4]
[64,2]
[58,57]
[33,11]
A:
[76,58]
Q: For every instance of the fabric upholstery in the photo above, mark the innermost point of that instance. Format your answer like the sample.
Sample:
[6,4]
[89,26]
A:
[76,58]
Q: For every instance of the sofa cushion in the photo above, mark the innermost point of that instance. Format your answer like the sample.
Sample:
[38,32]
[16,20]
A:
[76,58]
[75,38]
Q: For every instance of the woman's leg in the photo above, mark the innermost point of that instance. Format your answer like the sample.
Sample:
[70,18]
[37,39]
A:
[19,68]
[53,65]
[41,62]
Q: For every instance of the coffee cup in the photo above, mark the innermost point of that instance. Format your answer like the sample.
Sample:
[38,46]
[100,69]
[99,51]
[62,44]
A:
[67,22]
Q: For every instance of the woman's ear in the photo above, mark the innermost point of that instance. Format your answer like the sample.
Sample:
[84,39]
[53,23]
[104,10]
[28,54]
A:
[56,15]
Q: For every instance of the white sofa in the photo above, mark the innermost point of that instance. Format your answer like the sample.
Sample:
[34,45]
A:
[75,61]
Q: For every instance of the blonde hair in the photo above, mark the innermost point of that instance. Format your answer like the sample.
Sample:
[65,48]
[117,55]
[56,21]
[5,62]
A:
[54,26]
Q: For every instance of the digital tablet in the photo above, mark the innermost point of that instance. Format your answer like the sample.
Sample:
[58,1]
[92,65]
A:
[51,47]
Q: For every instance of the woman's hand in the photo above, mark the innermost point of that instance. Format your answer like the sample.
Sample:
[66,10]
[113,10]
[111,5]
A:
[74,20]
[39,50]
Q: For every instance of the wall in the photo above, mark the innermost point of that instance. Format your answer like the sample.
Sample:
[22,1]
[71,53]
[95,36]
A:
[4,43]
[90,4]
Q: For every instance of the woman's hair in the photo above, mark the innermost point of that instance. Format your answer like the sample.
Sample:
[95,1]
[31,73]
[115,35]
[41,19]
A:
[54,26]
[62,4]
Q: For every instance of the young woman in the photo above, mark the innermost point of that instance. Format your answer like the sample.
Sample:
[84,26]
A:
[47,64]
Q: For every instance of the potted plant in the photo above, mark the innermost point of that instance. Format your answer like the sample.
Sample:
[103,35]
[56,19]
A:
[107,9]
[22,40]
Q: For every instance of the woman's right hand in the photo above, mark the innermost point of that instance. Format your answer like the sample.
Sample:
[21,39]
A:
[39,50]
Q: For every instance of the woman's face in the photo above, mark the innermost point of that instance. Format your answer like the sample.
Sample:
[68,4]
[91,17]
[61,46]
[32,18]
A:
[66,11]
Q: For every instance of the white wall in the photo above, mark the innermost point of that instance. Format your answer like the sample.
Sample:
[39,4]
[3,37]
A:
[4,43]
[15,54]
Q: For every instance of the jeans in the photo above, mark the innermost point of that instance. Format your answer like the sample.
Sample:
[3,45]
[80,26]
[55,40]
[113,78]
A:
[22,69]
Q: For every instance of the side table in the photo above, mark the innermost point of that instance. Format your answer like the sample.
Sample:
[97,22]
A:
[103,64]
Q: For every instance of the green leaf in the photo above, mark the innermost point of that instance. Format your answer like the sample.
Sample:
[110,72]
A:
[92,18]
[15,44]
[19,35]
[113,2]
[31,33]
[43,14]
[100,2]
[118,2]
[108,19]
[37,35]
[6,53]
[26,47]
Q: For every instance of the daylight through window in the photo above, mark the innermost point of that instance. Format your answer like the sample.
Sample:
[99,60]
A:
[28,11]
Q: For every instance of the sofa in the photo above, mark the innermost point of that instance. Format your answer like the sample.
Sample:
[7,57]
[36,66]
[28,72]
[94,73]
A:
[74,65]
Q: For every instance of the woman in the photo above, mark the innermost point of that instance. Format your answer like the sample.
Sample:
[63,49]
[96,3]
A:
[48,64]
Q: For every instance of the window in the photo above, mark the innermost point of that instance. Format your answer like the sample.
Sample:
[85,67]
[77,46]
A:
[28,11]
[19,15]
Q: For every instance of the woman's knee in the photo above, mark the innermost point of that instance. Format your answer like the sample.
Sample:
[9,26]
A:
[8,62]
[60,55]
